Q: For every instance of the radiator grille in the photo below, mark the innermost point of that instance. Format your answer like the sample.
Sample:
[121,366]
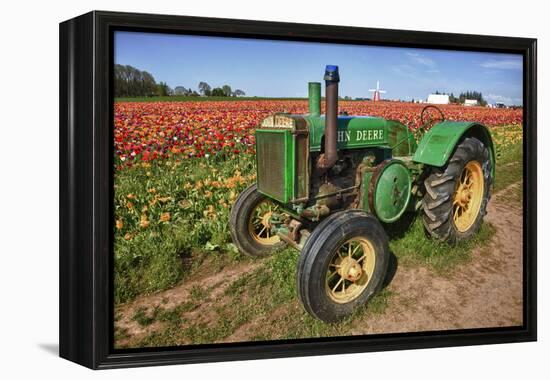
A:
[270,151]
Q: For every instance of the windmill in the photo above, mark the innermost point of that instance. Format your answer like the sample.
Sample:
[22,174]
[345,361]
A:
[377,92]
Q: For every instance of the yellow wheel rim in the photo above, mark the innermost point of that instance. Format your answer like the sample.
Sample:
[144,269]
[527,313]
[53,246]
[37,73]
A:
[259,225]
[350,270]
[468,196]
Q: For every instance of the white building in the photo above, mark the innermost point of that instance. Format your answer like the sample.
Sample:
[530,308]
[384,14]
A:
[470,102]
[438,99]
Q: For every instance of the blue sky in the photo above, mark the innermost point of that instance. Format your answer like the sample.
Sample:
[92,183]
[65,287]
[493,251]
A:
[283,68]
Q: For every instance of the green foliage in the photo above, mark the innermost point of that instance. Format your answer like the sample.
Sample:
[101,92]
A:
[131,84]
[283,271]
[169,215]
[509,155]
[129,81]
[227,90]
[164,90]
[453,99]
[205,89]
[413,247]
[218,92]
[147,263]
[472,95]
[465,95]
[182,91]
[142,318]
[198,293]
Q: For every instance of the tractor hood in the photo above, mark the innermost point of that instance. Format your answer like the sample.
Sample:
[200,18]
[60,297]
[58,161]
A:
[353,132]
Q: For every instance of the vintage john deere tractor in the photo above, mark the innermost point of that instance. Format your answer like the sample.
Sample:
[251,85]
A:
[329,185]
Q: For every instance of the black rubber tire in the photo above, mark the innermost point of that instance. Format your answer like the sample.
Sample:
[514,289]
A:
[440,185]
[318,251]
[238,224]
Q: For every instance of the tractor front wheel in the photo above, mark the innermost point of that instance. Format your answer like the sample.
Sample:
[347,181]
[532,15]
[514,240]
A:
[457,195]
[250,223]
[342,265]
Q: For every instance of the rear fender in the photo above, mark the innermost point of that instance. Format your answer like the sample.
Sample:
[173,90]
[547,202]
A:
[439,143]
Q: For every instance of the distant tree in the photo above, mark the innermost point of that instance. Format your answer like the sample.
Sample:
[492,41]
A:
[180,90]
[472,95]
[226,90]
[131,82]
[453,98]
[205,89]
[217,92]
[164,90]
[238,92]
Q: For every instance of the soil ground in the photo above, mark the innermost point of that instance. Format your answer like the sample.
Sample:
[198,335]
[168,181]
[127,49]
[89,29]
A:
[486,292]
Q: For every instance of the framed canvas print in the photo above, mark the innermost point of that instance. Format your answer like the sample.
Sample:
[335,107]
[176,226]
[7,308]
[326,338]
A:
[237,189]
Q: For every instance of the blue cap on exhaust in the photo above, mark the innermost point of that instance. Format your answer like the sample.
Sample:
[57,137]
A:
[331,73]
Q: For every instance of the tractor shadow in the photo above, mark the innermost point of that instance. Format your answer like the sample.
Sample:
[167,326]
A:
[392,269]
[396,231]
[399,228]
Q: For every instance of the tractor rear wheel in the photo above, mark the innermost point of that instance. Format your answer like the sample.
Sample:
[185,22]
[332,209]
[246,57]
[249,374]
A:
[250,225]
[343,265]
[457,194]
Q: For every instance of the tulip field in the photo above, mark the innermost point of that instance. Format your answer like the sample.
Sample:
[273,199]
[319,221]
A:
[180,165]
[146,131]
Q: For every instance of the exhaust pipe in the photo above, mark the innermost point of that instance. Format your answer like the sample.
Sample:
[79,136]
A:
[330,156]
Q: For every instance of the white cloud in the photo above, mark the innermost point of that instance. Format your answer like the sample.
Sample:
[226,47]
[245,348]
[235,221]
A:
[495,98]
[504,64]
[421,60]
[404,70]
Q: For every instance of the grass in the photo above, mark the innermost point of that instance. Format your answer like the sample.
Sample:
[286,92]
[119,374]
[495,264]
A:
[513,196]
[509,168]
[250,301]
[143,318]
[415,248]
[172,216]
[198,293]
[256,295]
[509,155]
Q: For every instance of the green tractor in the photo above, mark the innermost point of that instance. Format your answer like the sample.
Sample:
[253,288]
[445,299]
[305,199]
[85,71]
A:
[329,185]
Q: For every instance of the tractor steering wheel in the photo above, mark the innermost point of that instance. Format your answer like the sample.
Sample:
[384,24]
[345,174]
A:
[430,120]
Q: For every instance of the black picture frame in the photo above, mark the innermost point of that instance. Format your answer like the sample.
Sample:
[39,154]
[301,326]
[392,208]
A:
[86,188]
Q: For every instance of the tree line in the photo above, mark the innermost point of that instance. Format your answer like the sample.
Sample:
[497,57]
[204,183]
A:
[132,82]
[465,95]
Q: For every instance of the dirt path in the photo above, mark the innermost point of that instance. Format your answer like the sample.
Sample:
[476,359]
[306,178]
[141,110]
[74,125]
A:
[484,292]
[202,285]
